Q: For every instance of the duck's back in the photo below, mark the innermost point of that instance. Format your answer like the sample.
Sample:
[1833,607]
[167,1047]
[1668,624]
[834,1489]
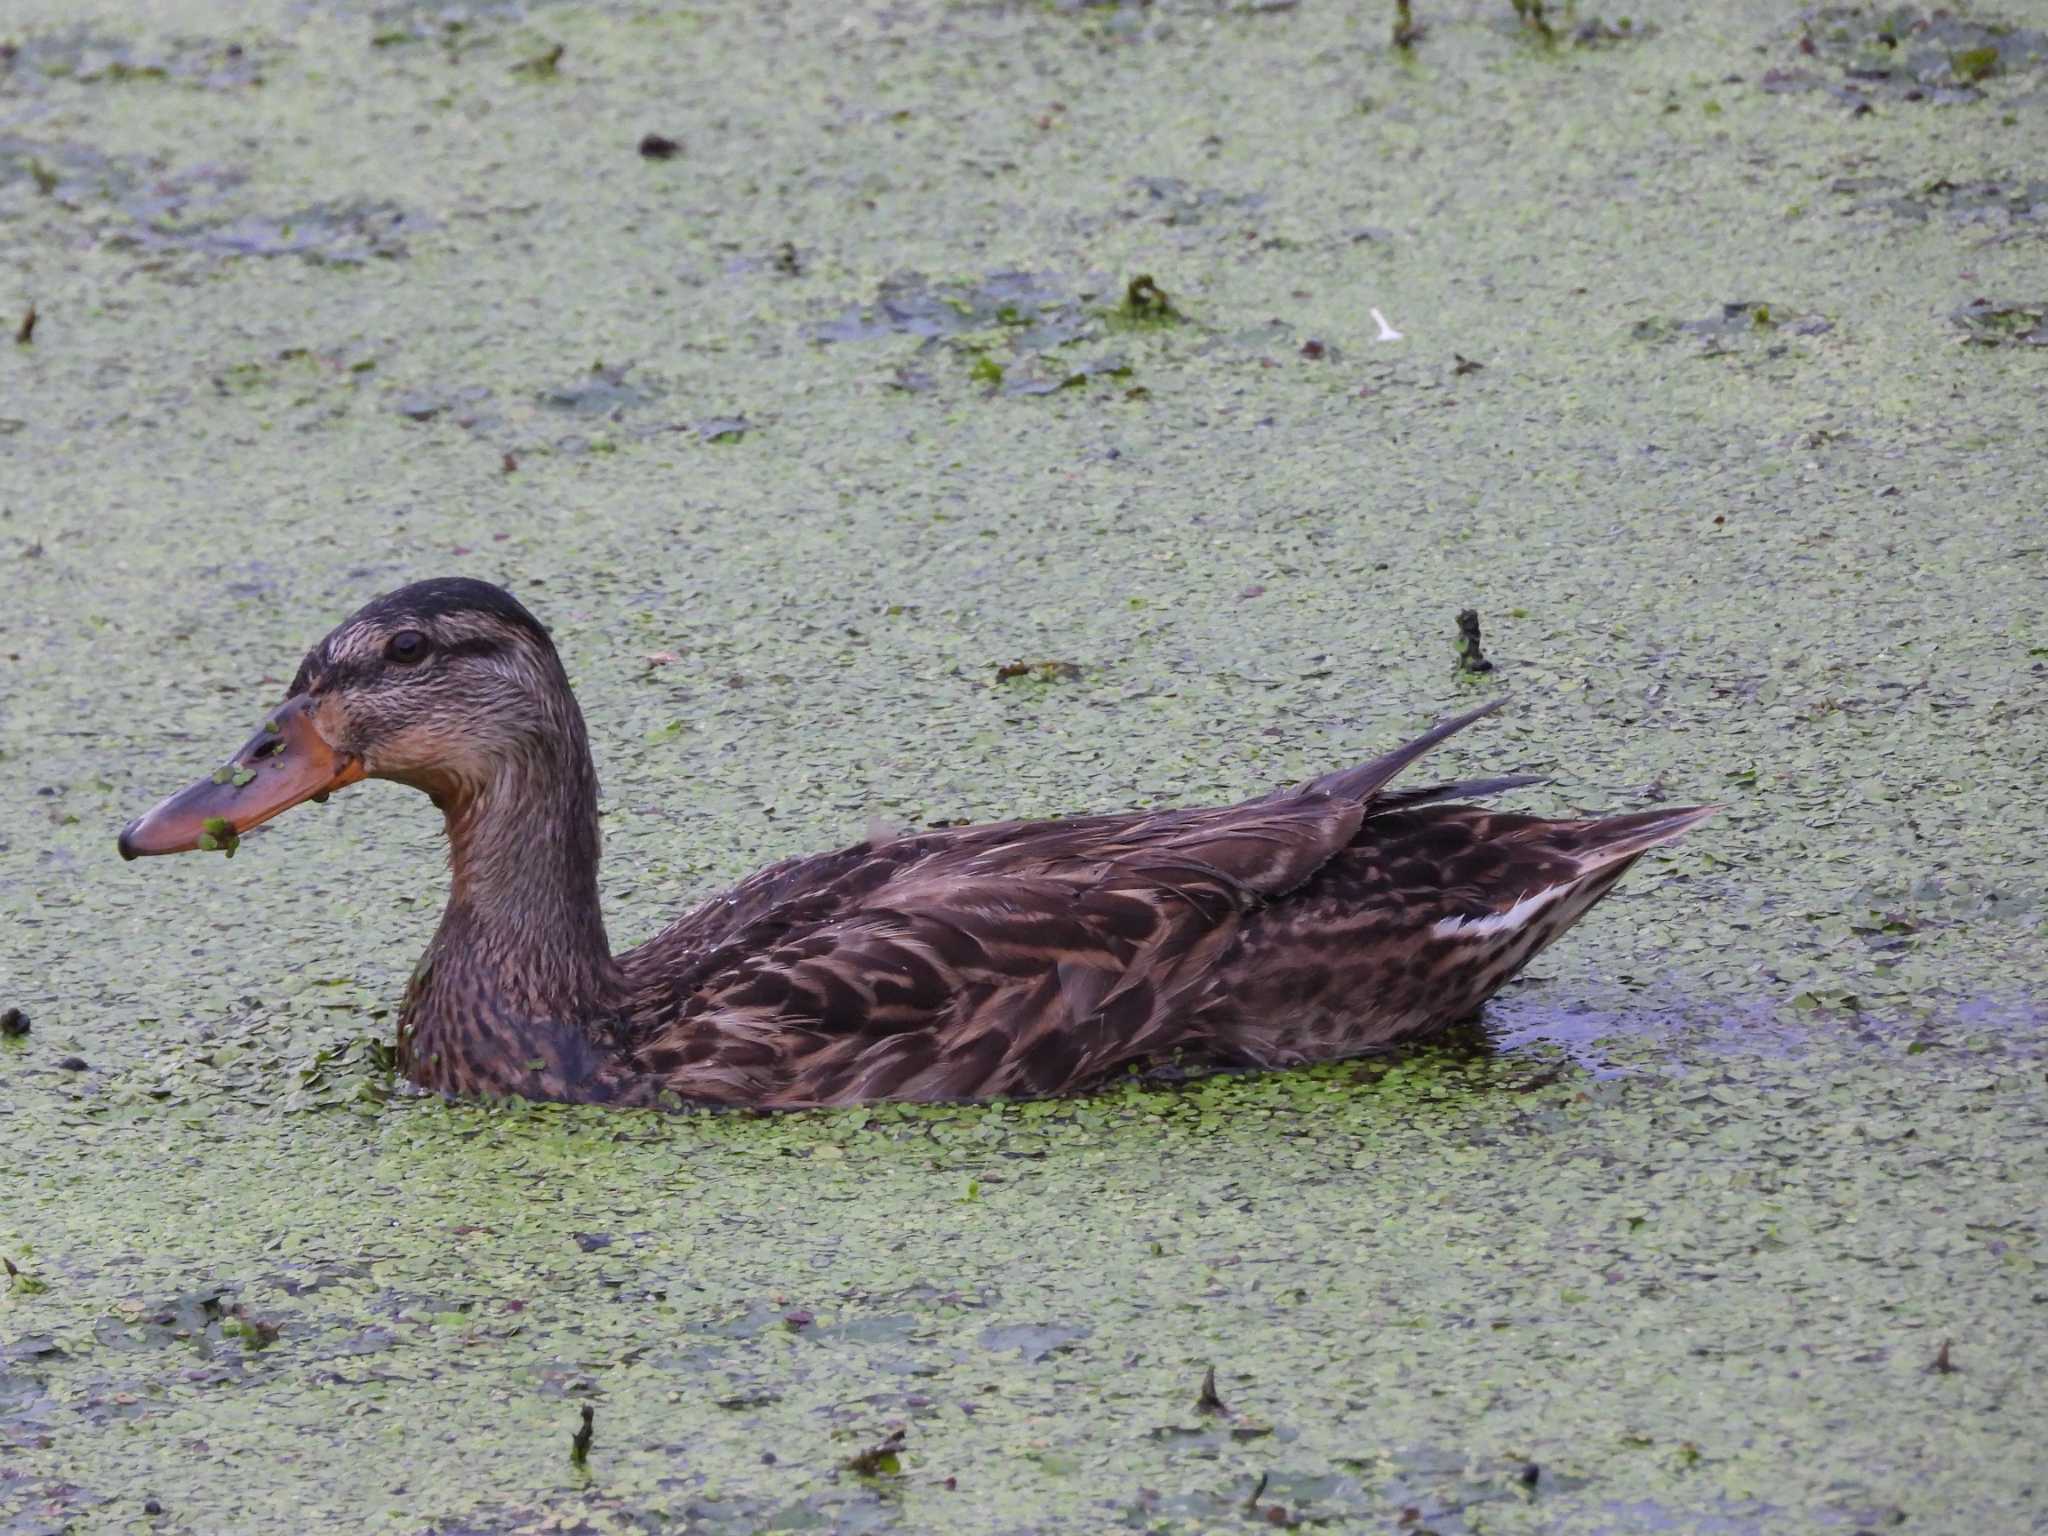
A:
[1038,957]
[1023,958]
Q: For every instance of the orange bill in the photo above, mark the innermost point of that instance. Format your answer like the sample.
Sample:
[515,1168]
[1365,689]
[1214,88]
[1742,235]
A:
[287,761]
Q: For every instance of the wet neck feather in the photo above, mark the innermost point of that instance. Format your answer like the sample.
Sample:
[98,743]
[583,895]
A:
[520,970]
[524,853]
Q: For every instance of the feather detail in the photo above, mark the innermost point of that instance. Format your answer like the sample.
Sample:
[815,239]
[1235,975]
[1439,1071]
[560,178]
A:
[1029,958]
[1465,789]
[1363,781]
[1460,925]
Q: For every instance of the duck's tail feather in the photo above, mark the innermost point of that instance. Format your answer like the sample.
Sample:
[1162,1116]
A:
[1364,780]
[1564,868]
[1464,789]
[1612,840]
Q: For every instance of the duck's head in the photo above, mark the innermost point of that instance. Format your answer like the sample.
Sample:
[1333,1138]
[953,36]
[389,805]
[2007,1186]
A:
[443,685]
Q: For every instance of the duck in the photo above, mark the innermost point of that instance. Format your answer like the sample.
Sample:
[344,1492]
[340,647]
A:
[1329,919]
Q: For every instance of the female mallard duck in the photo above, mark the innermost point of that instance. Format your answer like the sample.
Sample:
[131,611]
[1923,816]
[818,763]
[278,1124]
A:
[953,963]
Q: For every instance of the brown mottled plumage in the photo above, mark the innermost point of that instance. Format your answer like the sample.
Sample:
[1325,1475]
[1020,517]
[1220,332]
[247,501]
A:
[953,963]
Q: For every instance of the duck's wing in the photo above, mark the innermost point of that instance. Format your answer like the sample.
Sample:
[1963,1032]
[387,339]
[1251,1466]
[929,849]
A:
[1026,959]
[1464,789]
[1367,779]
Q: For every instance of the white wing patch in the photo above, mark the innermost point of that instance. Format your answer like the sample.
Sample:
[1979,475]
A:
[1517,916]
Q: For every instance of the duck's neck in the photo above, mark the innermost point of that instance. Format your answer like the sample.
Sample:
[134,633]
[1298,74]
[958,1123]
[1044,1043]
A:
[518,992]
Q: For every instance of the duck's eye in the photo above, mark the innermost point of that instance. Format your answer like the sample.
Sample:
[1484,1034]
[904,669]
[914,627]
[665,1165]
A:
[407,646]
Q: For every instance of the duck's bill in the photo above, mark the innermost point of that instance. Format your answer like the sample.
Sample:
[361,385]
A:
[285,762]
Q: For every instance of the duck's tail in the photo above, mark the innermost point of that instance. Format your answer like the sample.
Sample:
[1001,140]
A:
[1464,789]
[1548,874]
[1364,780]
[1596,845]
[1429,910]
[1612,840]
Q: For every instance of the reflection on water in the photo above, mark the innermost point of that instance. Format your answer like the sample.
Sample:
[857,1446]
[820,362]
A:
[1592,1033]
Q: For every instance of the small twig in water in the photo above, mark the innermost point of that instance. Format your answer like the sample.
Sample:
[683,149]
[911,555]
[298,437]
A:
[1470,657]
[1405,30]
[542,66]
[1146,302]
[1531,12]
[878,1460]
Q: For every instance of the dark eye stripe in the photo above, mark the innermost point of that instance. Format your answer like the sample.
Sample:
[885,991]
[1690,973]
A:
[478,647]
[358,673]
[349,674]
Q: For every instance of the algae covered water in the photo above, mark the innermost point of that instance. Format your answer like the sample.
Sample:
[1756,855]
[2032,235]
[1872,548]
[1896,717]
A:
[857,476]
